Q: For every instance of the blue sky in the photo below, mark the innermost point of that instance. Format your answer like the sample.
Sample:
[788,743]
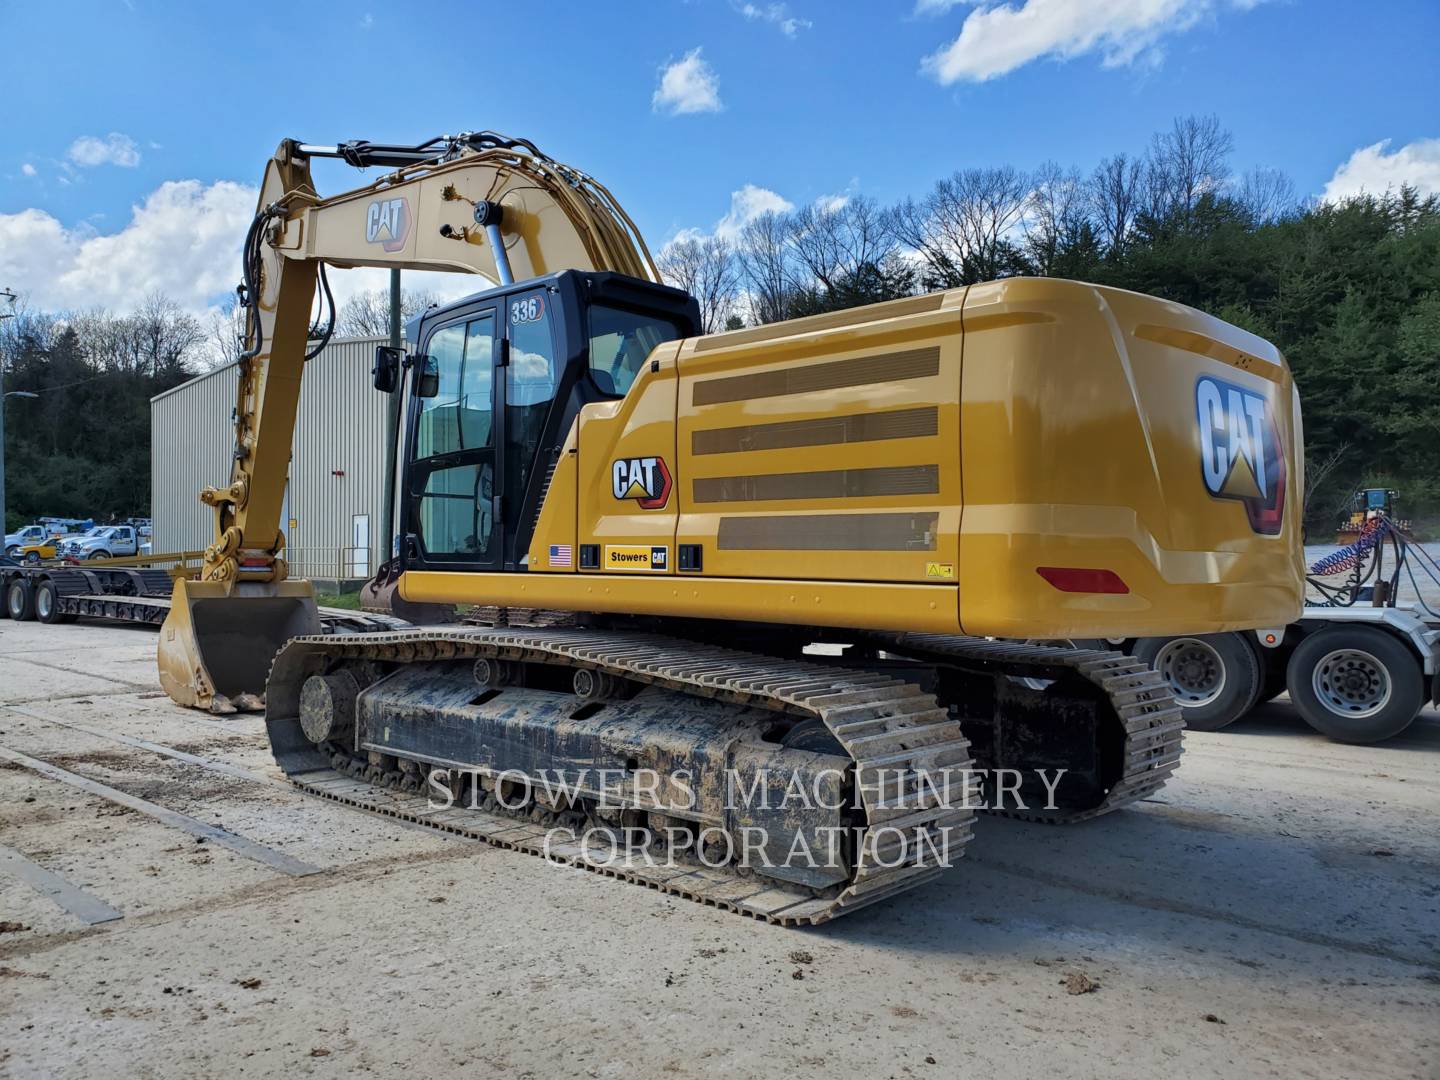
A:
[108,105]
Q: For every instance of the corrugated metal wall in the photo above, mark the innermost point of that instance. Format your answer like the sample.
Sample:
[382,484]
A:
[336,468]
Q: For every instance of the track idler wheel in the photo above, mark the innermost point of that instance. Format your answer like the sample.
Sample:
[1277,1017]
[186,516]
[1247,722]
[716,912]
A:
[492,674]
[596,685]
[327,707]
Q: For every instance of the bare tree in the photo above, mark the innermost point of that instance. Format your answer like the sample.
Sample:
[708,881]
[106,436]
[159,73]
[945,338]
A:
[159,338]
[962,228]
[227,333]
[836,244]
[1057,209]
[1190,160]
[1115,194]
[1318,470]
[1269,195]
[367,314]
[706,268]
[765,264]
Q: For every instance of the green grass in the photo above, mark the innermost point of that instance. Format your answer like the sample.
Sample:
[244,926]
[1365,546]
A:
[350,601]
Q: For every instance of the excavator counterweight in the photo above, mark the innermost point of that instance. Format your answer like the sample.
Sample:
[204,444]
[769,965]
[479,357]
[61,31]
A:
[694,563]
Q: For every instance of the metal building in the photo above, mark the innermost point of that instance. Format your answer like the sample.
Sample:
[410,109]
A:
[335,500]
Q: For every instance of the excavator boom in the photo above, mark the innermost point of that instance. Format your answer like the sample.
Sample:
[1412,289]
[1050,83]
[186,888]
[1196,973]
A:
[477,203]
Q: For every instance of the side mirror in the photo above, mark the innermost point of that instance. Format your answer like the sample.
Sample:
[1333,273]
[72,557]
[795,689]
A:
[386,372]
[427,378]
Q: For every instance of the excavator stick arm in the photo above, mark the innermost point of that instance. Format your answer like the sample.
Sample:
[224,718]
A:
[477,203]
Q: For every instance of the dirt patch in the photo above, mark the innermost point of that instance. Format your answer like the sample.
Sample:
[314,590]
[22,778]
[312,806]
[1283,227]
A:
[1077,982]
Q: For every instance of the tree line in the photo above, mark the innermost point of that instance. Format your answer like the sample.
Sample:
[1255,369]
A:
[81,446]
[1349,290]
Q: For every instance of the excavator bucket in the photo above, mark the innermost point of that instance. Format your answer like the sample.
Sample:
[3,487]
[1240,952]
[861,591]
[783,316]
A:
[219,638]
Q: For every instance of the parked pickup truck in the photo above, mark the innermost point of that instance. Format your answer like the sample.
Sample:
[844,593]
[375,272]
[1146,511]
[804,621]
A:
[113,542]
[31,534]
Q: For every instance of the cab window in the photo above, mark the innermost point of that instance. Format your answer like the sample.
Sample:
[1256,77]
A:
[459,416]
[620,343]
[453,508]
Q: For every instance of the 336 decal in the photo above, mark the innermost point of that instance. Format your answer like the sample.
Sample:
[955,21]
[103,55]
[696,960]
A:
[644,479]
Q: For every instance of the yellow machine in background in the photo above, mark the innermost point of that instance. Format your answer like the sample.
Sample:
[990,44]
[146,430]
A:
[628,500]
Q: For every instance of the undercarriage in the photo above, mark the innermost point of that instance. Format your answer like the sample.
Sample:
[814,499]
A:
[789,788]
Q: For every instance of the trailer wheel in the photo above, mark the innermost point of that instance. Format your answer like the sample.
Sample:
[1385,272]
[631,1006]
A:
[20,599]
[47,604]
[1033,683]
[1215,677]
[1355,684]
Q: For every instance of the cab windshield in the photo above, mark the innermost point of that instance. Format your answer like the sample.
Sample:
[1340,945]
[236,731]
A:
[620,343]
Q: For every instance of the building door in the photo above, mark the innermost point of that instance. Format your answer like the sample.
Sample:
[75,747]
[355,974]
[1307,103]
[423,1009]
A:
[360,545]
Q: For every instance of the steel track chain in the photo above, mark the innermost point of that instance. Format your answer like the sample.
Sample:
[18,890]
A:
[1144,705]
[892,730]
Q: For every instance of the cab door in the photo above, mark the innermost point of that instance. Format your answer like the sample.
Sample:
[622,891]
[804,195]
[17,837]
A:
[453,482]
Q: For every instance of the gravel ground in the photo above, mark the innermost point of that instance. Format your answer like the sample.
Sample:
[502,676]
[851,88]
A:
[1274,912]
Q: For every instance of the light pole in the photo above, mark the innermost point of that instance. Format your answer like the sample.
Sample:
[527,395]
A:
[4,524]
[10,296]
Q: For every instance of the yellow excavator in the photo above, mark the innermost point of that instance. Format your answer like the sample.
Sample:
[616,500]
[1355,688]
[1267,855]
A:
[818,560]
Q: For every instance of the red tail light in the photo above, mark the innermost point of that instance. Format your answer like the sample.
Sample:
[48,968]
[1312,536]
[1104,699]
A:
[1082,579]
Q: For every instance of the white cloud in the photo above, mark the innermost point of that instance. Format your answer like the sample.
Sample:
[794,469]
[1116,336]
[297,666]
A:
[183,240]
[998,38]
[689,85]
[937,7]
[28,169]
[367,22]
[1373,170]
[776,14]
[747,204]
[828,204]
[114,149]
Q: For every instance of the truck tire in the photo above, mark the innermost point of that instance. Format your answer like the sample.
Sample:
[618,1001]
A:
[1215,677]
[1272,673]
[13,550]
[20,599]
[100,555]
[1356,684]
[47,604]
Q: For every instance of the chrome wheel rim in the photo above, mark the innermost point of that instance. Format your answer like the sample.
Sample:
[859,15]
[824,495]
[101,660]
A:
[1351,682]
[1193,670]
[42,603]
[1029,681]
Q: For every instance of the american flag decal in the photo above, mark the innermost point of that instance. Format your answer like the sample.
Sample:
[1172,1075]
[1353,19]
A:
[560,555]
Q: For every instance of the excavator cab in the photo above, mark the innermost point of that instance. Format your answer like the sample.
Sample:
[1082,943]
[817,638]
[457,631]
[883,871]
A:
[491,394]
[494,387]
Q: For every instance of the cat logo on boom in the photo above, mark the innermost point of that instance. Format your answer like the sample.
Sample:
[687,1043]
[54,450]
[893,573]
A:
[1240,455]
[644,479]
[387,223]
